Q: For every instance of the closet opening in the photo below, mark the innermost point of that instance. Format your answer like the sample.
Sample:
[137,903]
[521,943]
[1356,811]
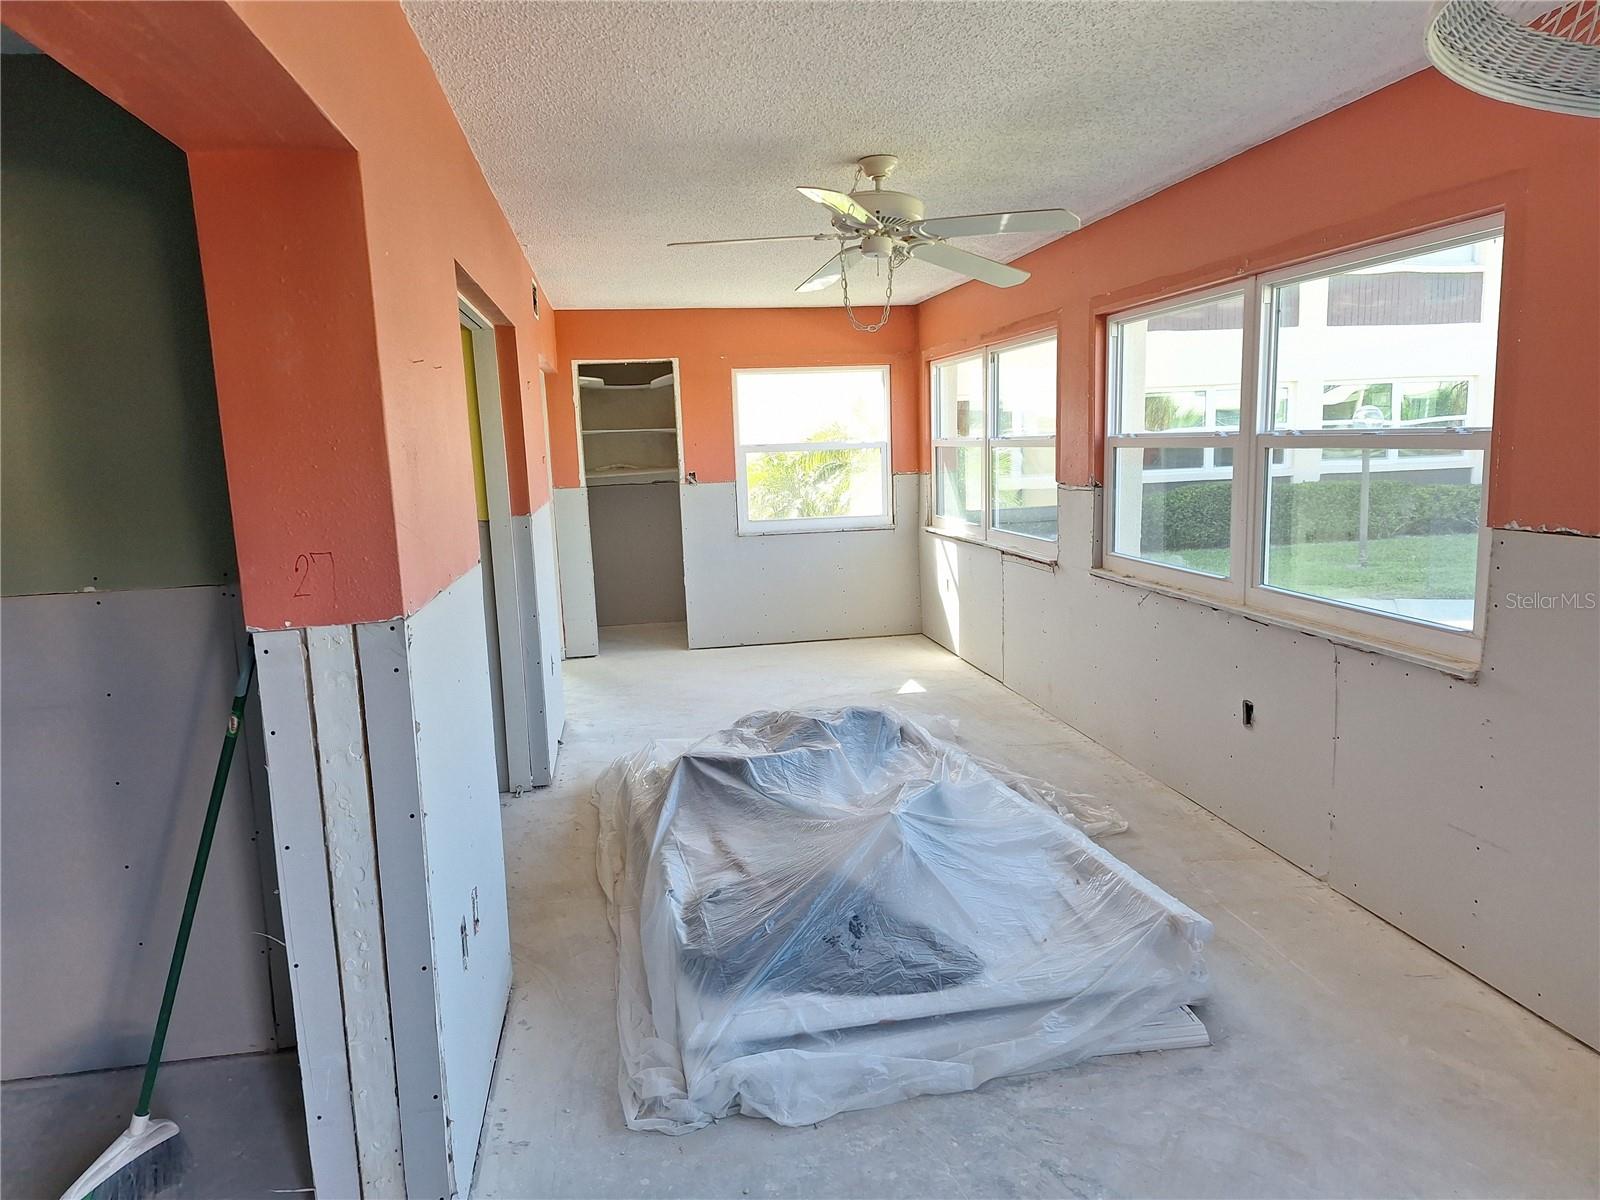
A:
[630,454]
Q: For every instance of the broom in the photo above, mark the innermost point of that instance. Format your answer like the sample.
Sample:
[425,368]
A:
[142,1159]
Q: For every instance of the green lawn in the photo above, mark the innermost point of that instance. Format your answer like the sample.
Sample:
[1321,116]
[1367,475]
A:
[1440,567]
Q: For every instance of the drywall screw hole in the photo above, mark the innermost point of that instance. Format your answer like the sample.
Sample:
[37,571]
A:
[425,968]
[397,670]
[413,816]
[296,966]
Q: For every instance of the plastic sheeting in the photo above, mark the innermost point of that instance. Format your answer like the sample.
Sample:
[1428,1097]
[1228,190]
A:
[831,910]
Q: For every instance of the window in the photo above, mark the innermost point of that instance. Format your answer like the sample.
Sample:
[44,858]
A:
[994,444]
[1354,499]
[813,449]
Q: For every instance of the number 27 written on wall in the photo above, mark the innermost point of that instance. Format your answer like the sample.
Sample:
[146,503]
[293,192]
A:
[314,575]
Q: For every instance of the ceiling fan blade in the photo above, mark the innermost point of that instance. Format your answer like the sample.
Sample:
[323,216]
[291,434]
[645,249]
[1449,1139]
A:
[828,274]
[985,270]
[855,216]
[1035,220]
[782,237]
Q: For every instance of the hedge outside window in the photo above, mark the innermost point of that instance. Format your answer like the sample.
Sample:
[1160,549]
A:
[812,449]
[994,447]
[1355,499]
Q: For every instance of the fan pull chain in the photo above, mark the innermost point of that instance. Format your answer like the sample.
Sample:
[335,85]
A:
[895,260]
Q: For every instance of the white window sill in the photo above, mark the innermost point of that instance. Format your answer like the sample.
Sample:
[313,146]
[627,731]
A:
[1455,668]
[1044,557]
[876,528]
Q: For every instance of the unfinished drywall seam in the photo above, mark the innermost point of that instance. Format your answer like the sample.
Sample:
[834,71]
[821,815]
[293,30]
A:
[392,730]
[357,909]
[539,585]
[255,751]
[1333,773]
[306,893]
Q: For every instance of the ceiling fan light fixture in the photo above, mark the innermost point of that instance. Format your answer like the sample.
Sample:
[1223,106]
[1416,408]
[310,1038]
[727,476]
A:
[878,245]
[891,228]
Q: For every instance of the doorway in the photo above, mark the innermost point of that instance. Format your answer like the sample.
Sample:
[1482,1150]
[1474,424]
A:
[631,458]
[501,623]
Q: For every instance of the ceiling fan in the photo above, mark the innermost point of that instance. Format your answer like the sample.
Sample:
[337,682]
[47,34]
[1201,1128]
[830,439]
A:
[881,226]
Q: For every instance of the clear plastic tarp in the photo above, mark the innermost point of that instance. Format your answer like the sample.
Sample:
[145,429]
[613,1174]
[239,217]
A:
[834,909]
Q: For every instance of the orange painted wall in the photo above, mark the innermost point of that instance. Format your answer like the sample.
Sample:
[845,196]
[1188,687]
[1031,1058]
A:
[1419,153]
[308,469]
[344,430]
[428,209]
[709,345]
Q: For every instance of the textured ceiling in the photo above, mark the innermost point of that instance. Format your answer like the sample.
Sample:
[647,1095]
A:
[610,129]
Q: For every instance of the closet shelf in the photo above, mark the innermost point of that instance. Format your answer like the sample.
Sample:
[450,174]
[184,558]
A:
[590,384]
[632,475]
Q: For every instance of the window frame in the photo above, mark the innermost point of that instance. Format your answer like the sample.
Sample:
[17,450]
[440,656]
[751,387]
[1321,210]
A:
[987,443]
[1257,438]
[748,526]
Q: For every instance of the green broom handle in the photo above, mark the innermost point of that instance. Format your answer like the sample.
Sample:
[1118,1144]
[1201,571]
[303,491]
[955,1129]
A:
[196,878]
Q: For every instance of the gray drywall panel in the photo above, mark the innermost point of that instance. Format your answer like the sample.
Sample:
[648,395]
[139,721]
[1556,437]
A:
[797,587]
[383,652]
[357,908]
[307,907]
[1469,813]
[534,540]
[637,541]
[113,711]
[579,627]
[1161,682]
[1464,813]
[111,471]
[961,599]
[442,865]
[252,756]
[498,677]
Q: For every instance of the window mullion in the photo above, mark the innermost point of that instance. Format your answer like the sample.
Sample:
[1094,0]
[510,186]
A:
[989,418]
[1254,377]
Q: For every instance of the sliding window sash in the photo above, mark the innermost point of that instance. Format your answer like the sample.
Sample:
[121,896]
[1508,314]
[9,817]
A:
[1231,589]
[882,519]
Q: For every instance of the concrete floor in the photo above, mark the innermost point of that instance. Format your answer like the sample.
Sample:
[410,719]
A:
[242,1130]
[1349,1059]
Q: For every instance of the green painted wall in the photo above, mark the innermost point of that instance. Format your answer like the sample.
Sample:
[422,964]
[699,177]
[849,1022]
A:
[111,472]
